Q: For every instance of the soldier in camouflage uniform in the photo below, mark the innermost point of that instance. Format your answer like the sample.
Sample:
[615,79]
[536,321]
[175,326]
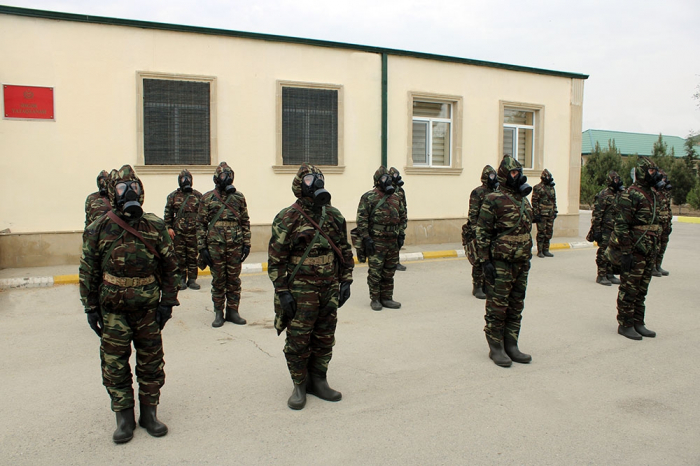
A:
[489,184]
[223,240]
[381,220]
[398,183]
[504,248]
[665,219]
[544,206]
[128,288]
[97,204]
[635,239]
[602,223]
[311,273]
[180,216]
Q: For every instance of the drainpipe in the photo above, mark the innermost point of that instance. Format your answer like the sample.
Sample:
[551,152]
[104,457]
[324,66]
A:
[385,124]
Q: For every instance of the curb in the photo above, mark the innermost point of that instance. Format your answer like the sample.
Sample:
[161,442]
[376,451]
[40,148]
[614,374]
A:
[677,218]
[44,282]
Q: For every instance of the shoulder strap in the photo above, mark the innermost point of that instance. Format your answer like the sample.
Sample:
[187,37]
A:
[308,249]
[111,248]
[128,228]
[230,207]
[182,206]
[517,224]
[323,233]
[371,212]
[651,201]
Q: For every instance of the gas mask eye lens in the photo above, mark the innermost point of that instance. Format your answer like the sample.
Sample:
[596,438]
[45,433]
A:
[120,188]
[308,180]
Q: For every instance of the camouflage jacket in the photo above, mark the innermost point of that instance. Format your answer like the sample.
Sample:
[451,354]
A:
[107,248]
[665,213]
[95,207]
[504,226]
[385,222]
[291,235]
[544,200]
[187,223]
[402,197]
[209,205]
[637,222]
[604,211]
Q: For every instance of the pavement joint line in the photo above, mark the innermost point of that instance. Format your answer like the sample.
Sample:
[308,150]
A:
[37,282]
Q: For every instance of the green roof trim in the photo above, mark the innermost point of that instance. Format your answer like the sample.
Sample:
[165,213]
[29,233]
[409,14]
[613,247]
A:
[44,14]
[630,143]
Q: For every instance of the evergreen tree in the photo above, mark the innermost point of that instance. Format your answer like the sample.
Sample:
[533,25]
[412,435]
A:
[595,173]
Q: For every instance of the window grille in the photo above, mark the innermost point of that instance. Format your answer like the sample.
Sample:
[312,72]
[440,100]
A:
[309,126]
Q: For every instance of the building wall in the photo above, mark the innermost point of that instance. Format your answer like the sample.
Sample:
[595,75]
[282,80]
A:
[48,168]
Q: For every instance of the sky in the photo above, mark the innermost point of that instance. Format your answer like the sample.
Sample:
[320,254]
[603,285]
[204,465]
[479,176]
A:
[641,55]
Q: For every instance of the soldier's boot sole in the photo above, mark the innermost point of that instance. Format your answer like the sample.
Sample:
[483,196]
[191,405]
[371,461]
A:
[218,319]
[235,317]
[628,332]
[497,354]
[511,347]
[603,281]
[318,387]
[375,305]
[613,279]
[298,399]
[193,285]
[148,419]
[126,423]
[390,303]
[643,331]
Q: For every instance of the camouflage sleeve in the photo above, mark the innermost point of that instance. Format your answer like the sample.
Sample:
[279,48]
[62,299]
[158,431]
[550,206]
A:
[599,211]
[536,199]
[485,230]
[245,220]
[90,271]
[625,220]
[363,212]
[87,211]
[202,222]
[474,207]
[279,250]
[168,266]
[403,213]
[348,264]
[554,201]
[169,213]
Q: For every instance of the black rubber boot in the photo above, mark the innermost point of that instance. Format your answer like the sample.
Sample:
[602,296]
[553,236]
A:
[547,253]
[149,421]
[613,279]
[498,354]
[218,318]
[478,292]
[318,386]
[391,304]
[126,423]
[235,317]
[192,283]
[376,305]
[510,345]
[183,283]
[603,280]
[540,253]
[655,272]
[628,332]
[400,267]
[643,331]
[298,398]
[665,273]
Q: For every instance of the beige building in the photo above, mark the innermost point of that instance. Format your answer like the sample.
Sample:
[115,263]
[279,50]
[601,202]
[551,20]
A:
[162,97]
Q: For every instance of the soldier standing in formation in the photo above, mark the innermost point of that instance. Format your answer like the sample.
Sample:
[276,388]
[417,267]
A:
[180,216]
[635,242]
[489,184]
[223,241]
[602,224]
[504,248]
[381,219]
[128,288]
[398,183]
[97,204]
[665,219]
[544,205]
[310,265]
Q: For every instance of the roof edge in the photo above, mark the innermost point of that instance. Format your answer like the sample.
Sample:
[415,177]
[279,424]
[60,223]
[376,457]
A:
[55,15]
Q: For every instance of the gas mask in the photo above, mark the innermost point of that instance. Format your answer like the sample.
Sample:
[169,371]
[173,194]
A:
[616,184]
[185,184]
[312,185]
[385,184]
[549,181]
[225,182]
[655,179]
[396,179]
[127,194]
[519,183]
[667,184]
[493,181]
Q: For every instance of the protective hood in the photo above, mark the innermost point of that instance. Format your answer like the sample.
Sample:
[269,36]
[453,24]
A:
[110,185]
[223,168]
[304,169]
[103,182]
[396,177]
[545,175]
[507,164]
[486,173]
[185,174]
[127,173]
[641,171]
[516,185]
[378,174]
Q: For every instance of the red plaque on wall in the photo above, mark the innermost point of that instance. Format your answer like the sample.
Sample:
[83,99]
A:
[28,102]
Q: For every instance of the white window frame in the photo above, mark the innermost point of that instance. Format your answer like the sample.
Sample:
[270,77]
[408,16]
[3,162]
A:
[537,128]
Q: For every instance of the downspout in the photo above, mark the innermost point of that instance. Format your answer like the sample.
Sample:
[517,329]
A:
[385,124]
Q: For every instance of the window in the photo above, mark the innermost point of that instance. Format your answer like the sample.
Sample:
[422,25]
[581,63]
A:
[309,126]
[432,134]
[522,133]
[176,122]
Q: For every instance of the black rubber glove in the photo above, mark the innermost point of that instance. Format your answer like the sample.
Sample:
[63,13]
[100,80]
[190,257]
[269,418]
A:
[344,293]
[246,251]
[163,314]
[370,250]
[598,237]
[537,218]
[490,274]
[626,263]
[401,240]
[94,319]
[204,252]
[288,305]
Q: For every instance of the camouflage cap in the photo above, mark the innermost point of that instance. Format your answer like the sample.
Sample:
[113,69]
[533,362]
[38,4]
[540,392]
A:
[545,174]
[486,173]
[127,173]
[378,174]
[304,169]
[507,164]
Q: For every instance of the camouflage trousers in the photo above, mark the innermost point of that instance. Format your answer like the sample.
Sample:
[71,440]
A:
[186,252]
[119,331]
[545,230]
[663,242]
[505,299]
[311,334]
[382,267]
[604,266]
[633,290]
[477,275]
[225,275]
